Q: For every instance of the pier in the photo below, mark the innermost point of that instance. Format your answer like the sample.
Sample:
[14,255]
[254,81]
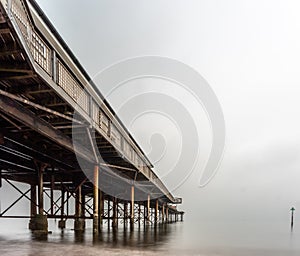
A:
[59,135]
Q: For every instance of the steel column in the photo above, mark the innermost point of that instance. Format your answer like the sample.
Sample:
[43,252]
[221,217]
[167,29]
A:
[139,215]
[101,209]
[156,212]
[132,208]
[148,210]
[52,194]
[125,213]
[62,223]
[96,194]
[40,190]
[33,203]
[163,213]
[115,217]
[167,214]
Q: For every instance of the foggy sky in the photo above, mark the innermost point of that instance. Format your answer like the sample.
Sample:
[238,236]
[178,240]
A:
[248,51]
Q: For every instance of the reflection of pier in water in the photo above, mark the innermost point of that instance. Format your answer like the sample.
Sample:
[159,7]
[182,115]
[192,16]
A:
[80,167]
[137,238]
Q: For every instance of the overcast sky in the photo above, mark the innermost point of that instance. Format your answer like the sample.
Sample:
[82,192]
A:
[248,52]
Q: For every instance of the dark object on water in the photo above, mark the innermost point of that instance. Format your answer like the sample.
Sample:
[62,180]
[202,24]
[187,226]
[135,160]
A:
[292,217]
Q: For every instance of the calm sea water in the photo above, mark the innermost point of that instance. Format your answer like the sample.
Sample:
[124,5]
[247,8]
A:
[182,238]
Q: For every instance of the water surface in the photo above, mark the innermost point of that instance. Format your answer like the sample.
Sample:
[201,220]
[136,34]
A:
[182,238]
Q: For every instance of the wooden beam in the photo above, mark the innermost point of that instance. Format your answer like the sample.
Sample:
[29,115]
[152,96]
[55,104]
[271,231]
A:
[16,76]
[9,49]
[27,102]
[28,118]
[15,67]
[4,30]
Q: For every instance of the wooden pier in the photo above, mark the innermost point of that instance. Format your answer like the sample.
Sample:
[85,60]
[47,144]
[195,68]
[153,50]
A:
[59,135]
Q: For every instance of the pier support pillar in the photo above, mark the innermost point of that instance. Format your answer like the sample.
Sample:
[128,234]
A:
[132,209]
[156,212]
[108,213]
[33,204]
[115,213]
[40,190]
[167,214]
[101,209]
[163,214]
[52,194]
[39,223]
[79,223]
[125,214]
[95,203]
[145,213]
[62,222]
[139,215]
[148,210]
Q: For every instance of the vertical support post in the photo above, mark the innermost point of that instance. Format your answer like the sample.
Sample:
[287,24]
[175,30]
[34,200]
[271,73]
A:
[167,214]
[83,206]
[62,222]
[101,209]
[108,213]
[125,214]
[0,177]
[79,222]
[62,209]
[67,203]
[139,216]
[33,200]
[39,222]
[132,209]
[156,212]
[51,194]
[117,212]
[163,214]
[148,210]
[95,203]
[40,190]
[78,202]
[145,213]
[33,204]
[115,217]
